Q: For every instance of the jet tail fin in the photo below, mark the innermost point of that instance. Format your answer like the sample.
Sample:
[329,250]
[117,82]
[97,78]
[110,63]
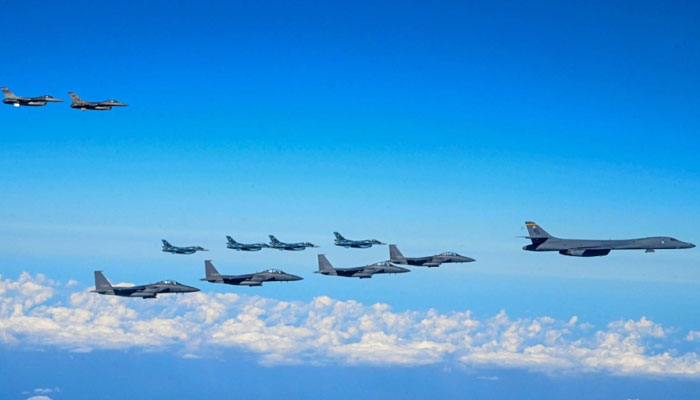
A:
[230,239]
[325,267]
[165,243]
[101,283]
[537,234]
[338,236]
[8,93]
[210,271]
[75,97]
[273,239]
[395,255]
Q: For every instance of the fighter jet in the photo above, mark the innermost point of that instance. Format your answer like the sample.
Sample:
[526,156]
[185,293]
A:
[276,244]
[169,248]
[543,241]
[325,268]
[232,244]
[254,279]
[396,257]
[11,98]
[93,105]
[355,244]
[150,291]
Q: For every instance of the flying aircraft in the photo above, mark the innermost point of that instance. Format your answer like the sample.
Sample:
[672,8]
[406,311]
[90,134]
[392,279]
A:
[150,291]
[169,248]
[276,244]
[93,105]
[232,244]
[396,257]
[11,98]
[254,279]
[543,241]
[325,268]
[355,244]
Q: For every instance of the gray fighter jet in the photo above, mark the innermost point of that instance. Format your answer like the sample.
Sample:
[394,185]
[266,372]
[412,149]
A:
[355,244]
[325,268]
[169,248]
[543,241]
[396,257]
[93,105]
[11,98]
[150,291]
[276,244]
[232,244]
[254,279]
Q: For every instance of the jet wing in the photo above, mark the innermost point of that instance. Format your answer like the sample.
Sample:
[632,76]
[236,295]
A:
[255,280]
[148,293]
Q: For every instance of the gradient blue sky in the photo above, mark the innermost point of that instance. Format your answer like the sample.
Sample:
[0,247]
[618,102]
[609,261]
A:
[440,126]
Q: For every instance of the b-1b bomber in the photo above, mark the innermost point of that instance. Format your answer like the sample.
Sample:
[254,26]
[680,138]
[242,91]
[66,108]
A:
[254,279]
[543,241]
[150,291]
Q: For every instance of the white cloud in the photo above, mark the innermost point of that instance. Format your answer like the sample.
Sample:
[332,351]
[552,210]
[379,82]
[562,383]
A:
[46,390]
[693,336]
[39,398]
[326,330]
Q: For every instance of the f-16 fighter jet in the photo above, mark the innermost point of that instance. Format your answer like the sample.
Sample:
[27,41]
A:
[11,98]
[325,268]
[396,257]
[355,244]
[276,244]
[150,291]
[93,105]
[254,279]
[232,244]
[169,248]
[543,241]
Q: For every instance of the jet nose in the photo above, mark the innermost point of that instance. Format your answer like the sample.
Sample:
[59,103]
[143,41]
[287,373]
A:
[690,245]
[401,269]
[295,278]
[468,259]
[190,289]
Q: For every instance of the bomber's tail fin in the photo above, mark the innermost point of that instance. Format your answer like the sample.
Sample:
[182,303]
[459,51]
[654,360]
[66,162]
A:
[537,234]
[395,255]
[102,285]
[338,236]
[230,239]
[273,239]
[8,93]
[75,97]
[211,273]
[324,266]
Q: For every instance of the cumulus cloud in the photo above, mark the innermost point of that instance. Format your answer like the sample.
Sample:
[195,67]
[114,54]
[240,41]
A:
[326,330]
[39,398]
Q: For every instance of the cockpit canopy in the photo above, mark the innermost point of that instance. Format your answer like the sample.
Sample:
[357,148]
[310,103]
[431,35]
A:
[449,253]
[170,283]
[274,271]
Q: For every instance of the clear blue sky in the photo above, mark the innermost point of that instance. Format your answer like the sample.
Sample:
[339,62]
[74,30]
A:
[440,126]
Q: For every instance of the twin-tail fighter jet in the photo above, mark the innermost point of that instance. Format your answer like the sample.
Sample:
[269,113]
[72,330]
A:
[396,257]
[150,291]
[169,248]
[276,244]
[254,279]
[232,244]
[14,100]
[355,244]
[94,105]
[365,272]
[543,241]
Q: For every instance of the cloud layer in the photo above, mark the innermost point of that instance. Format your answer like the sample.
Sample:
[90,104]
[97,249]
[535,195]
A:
[326,330]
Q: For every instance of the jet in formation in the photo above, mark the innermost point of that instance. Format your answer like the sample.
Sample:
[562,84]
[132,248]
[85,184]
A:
[355,244]
[169,248]
[276,244]
[232,244]
[384,267]
[150,291]
[396,257]
[254,279]
[543,241]
[93,105]
[11,98]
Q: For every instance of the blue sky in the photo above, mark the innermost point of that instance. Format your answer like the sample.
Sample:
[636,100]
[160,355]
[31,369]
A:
[438,127]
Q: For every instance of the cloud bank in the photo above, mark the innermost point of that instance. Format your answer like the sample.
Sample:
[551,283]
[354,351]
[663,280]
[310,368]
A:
[329,331]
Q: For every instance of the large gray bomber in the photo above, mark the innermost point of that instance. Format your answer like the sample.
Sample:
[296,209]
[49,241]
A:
[543,241]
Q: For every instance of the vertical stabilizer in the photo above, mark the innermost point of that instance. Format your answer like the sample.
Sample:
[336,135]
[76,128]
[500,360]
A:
[338,236]
[75,97]
[395,255]
[273,239]
[8,93]
[325,267]
[211,273]
[101,283]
